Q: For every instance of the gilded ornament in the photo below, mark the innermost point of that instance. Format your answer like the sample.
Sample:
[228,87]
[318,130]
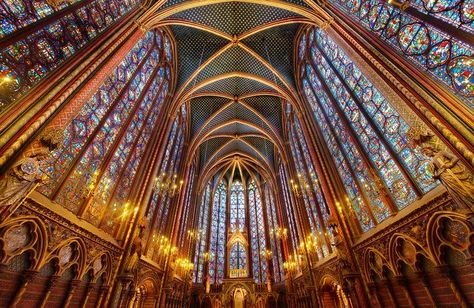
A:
[447,168]
[26,174]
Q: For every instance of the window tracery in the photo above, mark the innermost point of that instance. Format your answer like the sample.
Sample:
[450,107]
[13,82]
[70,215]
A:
[364,133]
[421,41]
[106,141]
[257,233]
[28,60]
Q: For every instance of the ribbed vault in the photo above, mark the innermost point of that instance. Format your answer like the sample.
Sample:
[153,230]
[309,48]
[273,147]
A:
[235,72]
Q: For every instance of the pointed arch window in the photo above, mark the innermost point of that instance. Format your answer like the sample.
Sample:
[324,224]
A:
[275,243]
[51,36]
[106,141]
[288,208]
[167,178]
[237,207]
[218,237]
[257,233]
[365,134]
[238,260]
[429,34]
[309,186]
[203,224]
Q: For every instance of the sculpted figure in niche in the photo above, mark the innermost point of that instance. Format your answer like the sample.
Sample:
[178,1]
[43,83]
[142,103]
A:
[137,249]
[447,168]
[26,173]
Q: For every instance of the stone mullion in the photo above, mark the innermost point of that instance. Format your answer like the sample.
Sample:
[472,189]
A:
[247,225]
[114,148]
[196,250]
[172,232]
[26,31]
[227,212]
[205,270]
[111,151]
[350,167]
[299,203]
[368,162]
[298,163]
[374,127]
[254,203]
[304,224]
[158,148]
[137,139]
[99,126]
[326,169]
[260,248]
[293,202]
[313,193]
[180,203]
[268,246]
[305,228]
[171,168]
[141,194]
[161,197]
[436,111]
[453,31]
[188,220]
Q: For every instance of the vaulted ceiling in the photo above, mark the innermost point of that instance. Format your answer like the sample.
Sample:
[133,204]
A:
[235,72]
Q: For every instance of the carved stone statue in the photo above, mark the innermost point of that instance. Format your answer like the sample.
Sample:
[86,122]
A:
[446,167]
[26,173]
[345,265]
[136,249]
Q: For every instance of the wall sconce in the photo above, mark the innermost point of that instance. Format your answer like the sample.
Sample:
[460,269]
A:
[399,4]
[195,234]
[279,232]
[169,185]
[292,264]
[208,256]
[267,254]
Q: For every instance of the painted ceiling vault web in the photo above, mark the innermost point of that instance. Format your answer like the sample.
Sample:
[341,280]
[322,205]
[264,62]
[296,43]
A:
[235,68]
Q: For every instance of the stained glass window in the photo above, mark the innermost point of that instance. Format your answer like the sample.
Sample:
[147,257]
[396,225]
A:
[257,234]
[167,179]
[237,207]
[275,243]
[187,211]
[28,59]
[363,133]
[107,139]
[309,186]
[218,237]
[202,235]
[237,260]
[425,43]
[289,212]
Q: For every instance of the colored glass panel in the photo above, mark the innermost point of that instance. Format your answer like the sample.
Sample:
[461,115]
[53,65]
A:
[445,58]
[28,60]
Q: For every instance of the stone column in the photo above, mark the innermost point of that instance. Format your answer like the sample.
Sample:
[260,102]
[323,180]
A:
[26,278]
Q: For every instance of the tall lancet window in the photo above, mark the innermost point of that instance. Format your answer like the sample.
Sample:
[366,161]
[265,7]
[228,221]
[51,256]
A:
[201,241]
[432,35]
[275,242]
[257,233]
[365,134]
[238,260]
[309,186]
[93,173]
[237,207]
[40,37]
[218,234]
